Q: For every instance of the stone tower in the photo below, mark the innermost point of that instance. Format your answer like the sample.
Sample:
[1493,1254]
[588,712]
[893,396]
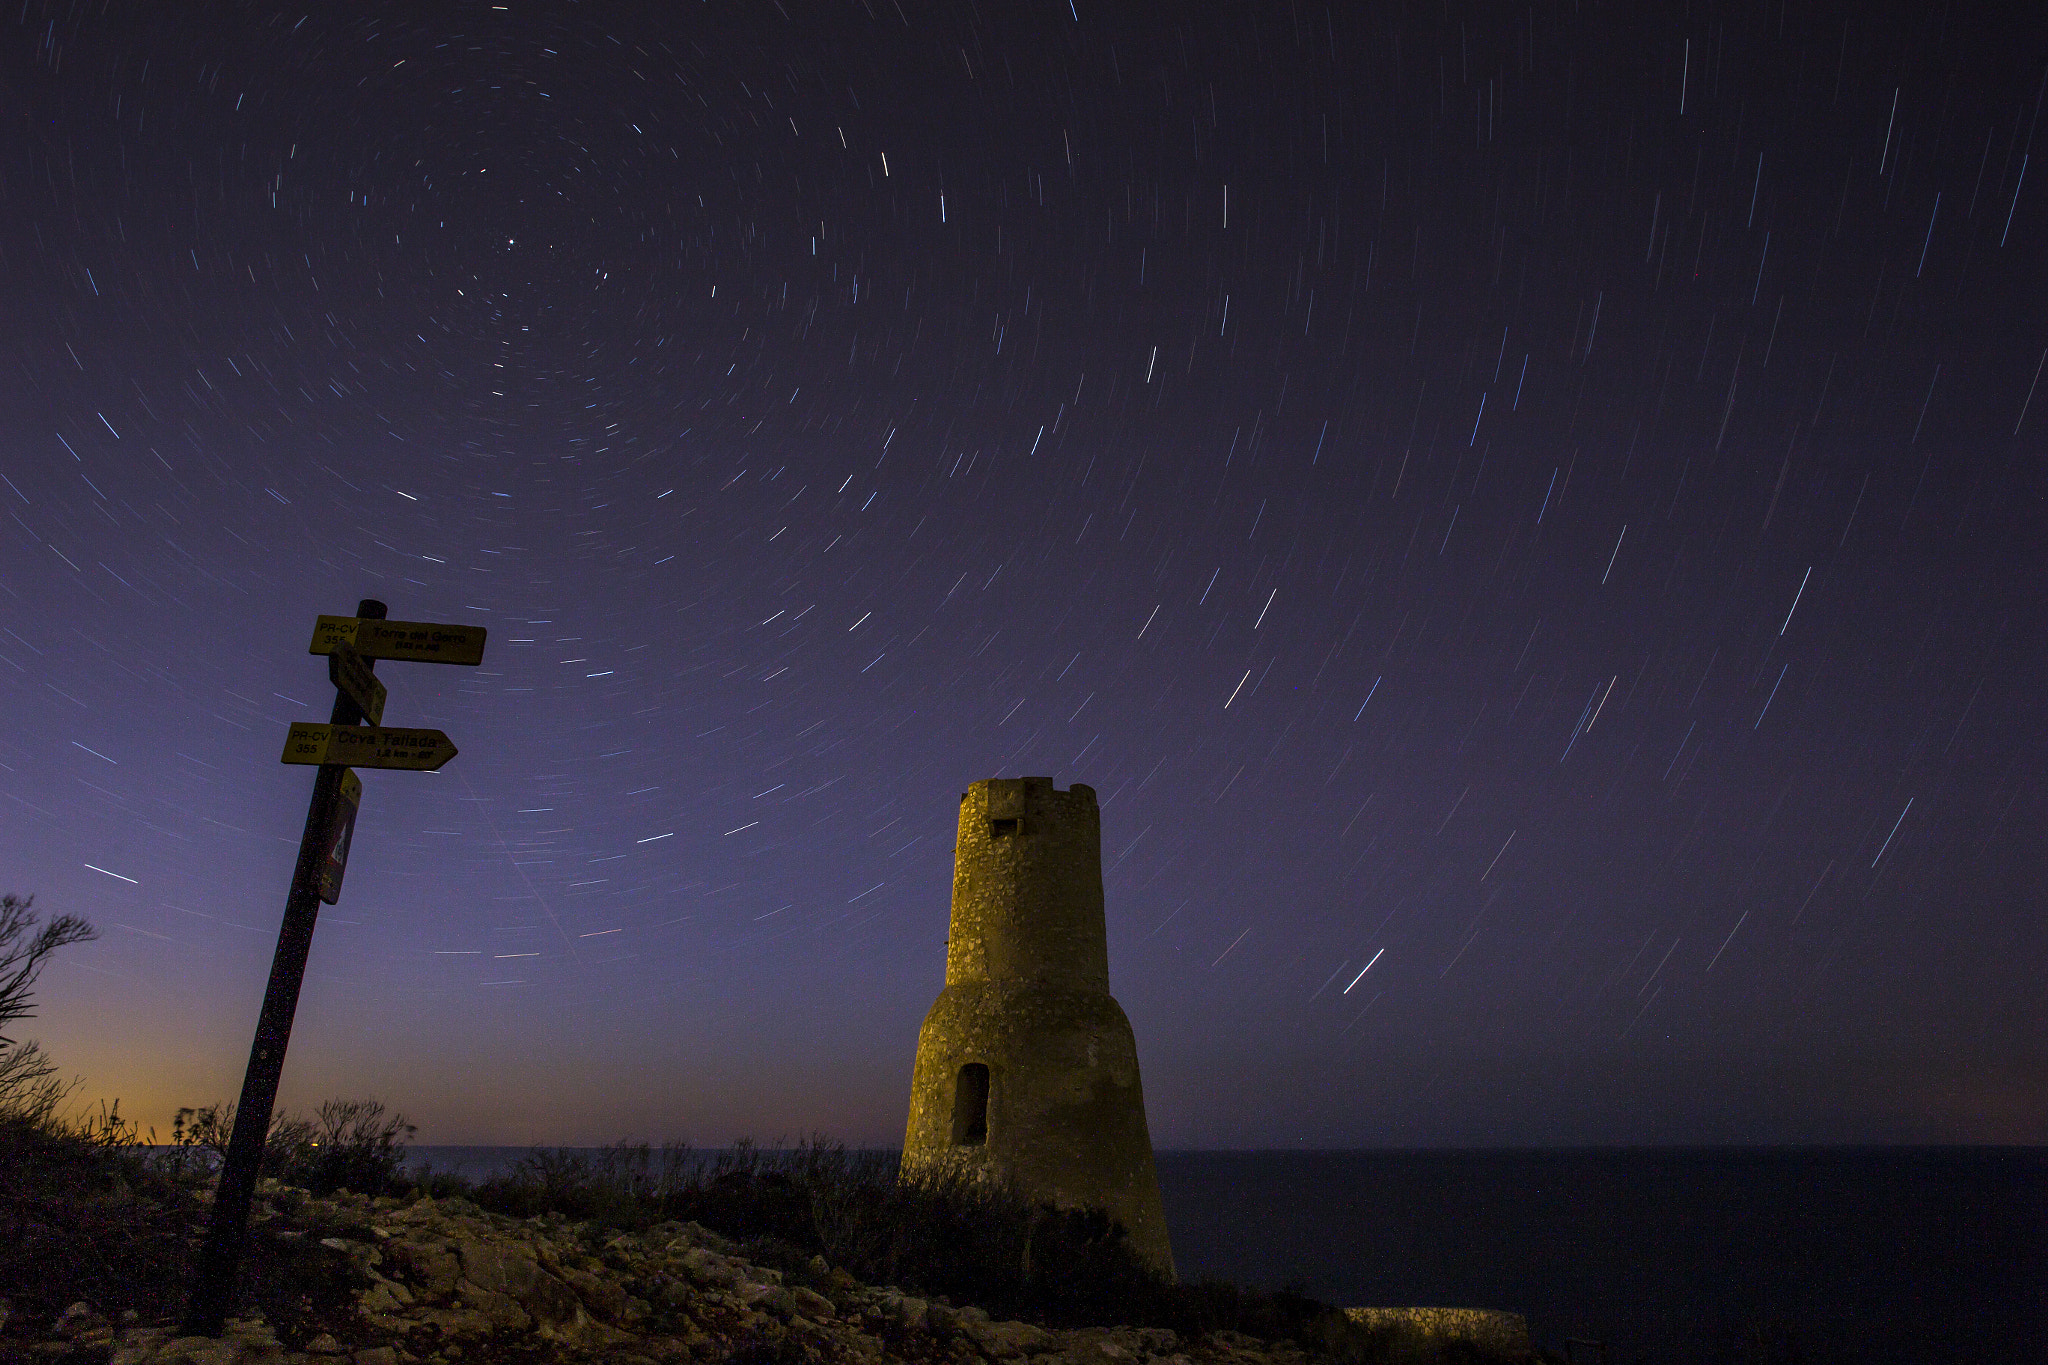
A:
[1026,1068]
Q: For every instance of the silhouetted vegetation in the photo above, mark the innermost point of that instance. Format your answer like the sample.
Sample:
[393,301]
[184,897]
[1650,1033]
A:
[83,1219]
[93,1209]
[966,1241]
[24,950]
[348,1145]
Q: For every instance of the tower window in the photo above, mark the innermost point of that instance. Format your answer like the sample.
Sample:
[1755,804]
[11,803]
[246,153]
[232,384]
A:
[970,1106]
[1001,829]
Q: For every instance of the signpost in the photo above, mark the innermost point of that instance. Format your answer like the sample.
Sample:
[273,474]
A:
[423,642]
[351,643]
[360,746]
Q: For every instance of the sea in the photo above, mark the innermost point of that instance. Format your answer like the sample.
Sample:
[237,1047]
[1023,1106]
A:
[1665,1256]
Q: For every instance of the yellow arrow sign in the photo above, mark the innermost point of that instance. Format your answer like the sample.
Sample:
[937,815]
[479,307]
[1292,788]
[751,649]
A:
[366,746]
[426,642]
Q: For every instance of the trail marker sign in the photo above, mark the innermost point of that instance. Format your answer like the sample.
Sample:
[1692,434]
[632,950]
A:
[342,830]
[350,672]
[364,746]
[423,642]
[352,645]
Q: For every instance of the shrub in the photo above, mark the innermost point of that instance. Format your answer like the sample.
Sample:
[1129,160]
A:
[23,953]
[83,1216]
[942,1235]
[29,1088]
[348,1144]
[616,1184]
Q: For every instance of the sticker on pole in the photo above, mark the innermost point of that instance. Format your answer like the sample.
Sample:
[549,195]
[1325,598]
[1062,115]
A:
[367,746]
[338,836]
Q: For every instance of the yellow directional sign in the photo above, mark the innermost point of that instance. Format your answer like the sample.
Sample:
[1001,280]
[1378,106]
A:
[350,672]
[426,642]
[366,746]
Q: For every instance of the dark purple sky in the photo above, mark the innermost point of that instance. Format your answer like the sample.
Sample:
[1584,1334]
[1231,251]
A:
[1541,501]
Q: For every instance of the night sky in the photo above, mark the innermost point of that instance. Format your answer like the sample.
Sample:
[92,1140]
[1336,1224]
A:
[1541,506]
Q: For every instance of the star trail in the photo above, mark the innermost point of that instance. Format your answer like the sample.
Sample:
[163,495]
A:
[826,406]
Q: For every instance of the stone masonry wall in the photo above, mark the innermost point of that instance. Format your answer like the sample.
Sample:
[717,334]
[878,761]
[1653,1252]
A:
[1027,905]
[1027,996]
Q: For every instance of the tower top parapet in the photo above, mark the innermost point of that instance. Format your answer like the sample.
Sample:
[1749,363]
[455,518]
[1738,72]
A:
[1027,887]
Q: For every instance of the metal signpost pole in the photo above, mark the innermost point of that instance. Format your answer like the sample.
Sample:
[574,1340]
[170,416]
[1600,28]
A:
[352,644]
[222,1253]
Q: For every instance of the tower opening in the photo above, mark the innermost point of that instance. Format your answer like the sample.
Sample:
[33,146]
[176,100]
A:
[1001,829]
[970,1106]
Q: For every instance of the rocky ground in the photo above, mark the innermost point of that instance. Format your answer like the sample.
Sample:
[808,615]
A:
[444,1283]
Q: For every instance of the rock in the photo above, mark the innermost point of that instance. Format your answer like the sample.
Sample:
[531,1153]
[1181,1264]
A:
[79,1322]
[1096,1349]
[499,1311]
[453,1323]
[199,1351]
[458,1286]
[382,1297]
[498,1268]
[702,1236]
[361,1254]
[772,1299]
[510,1272]
[257,1340]
[429,1268]
[1001,1340]
[812,1304]
[710,1269]
[605,1299]
[552,1302]
[137,1345]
